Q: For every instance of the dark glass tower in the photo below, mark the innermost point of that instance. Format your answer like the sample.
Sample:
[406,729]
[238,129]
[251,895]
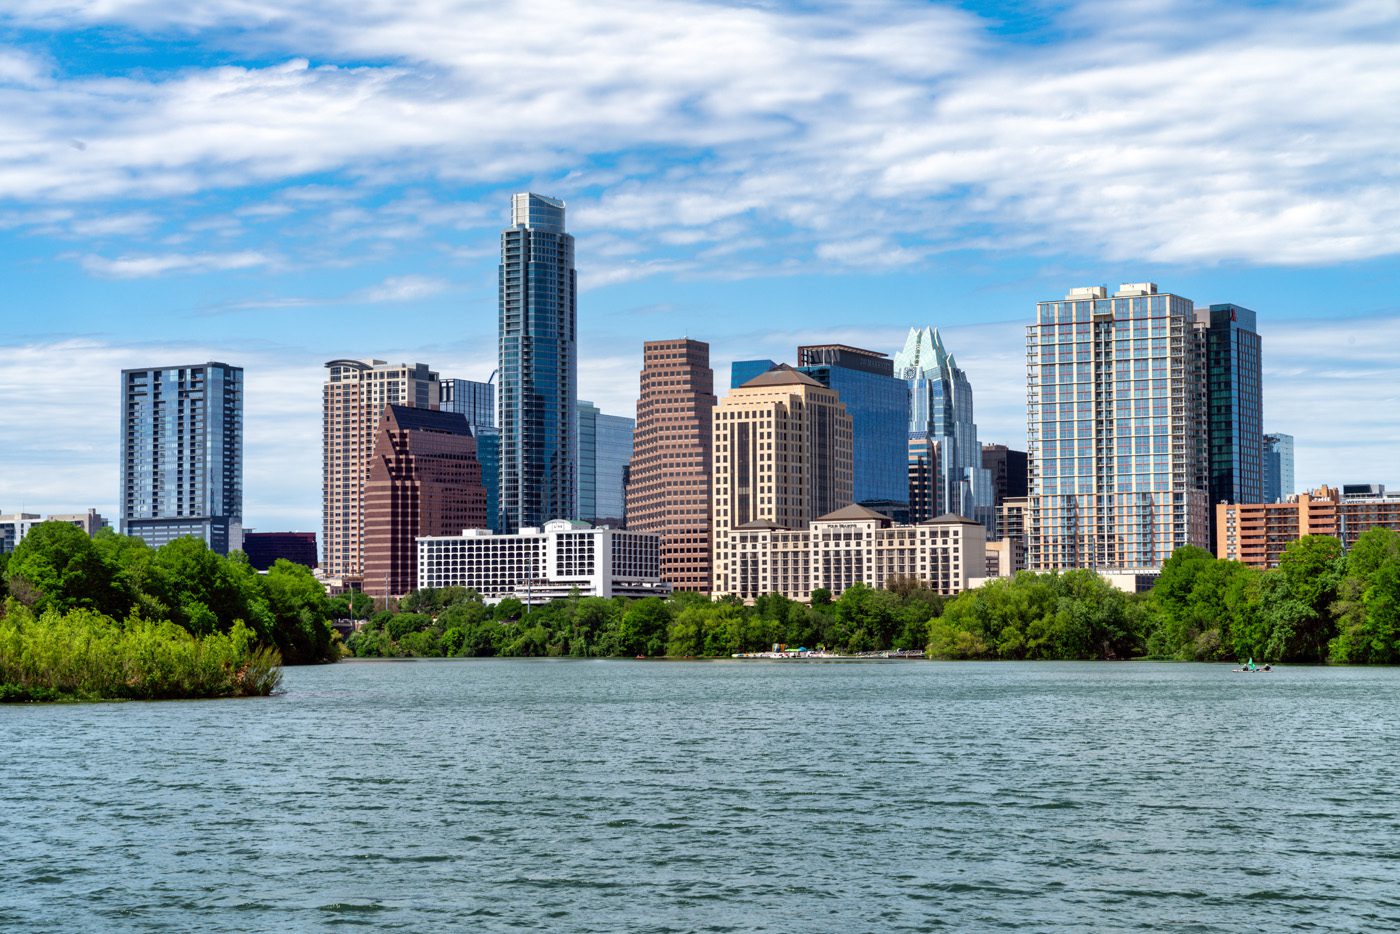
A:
[538,375]
[1234,405]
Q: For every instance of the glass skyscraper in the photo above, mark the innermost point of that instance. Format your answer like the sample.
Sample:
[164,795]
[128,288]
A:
[537,378]
[1278,467]
[1234,405]
[182,454]
[605,450]
[944,457]
[878,404]
[477,401]
[741,371]
[1115,429]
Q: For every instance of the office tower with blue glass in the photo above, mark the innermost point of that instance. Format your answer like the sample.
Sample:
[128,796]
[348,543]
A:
[878,404]
[1115,429]
[1234,405]
[537,377]
[1278,467]
[741,371]
[605,450]
[182,454]
[943,456]
[475,400]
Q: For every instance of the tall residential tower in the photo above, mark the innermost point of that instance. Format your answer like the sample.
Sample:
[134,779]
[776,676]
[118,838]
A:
[182,454]
[1116,430]
[1234,405]
[537,382]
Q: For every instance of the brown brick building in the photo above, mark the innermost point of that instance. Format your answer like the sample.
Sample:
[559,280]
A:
[668,490]
[1256,533]
[353,400]
[424,479]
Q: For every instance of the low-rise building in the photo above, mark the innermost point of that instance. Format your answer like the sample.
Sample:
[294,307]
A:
[853,545]
[536,565]
[13,528]
[265,548]
[1257,533]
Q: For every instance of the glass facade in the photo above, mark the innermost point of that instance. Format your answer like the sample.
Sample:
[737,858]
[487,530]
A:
[950,476]
[878,404]
[477,401]
[1278,467]
[488,452]
[1115,430]
[605,450]
[1234,405]
[741,371]
[182,454]
[538,368]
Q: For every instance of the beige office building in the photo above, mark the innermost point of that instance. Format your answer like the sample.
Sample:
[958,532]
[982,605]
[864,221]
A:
[354,397]
[854,545]
[782,455]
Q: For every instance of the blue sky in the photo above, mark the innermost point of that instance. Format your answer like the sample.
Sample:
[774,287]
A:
[275,184]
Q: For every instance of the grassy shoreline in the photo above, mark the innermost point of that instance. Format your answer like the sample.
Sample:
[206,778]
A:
[82,655]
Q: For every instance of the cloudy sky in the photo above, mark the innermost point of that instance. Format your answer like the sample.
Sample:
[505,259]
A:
[274,183]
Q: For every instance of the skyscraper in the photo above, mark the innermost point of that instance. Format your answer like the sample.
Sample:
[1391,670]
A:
[353,399]
[668,490]
[1234,405]
[476,401]
[424,479]
[538,369]
[943,434]
[605,449]
[878,404]
[182,454]
[1278,467]
[1115,412]
[782,456]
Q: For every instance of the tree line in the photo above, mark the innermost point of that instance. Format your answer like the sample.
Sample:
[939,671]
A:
[1319,605]
[58,569]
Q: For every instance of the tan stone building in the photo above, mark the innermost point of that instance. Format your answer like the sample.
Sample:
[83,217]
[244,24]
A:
[854,545]
[668,490]
[782,455]
[424,479]
[353,399]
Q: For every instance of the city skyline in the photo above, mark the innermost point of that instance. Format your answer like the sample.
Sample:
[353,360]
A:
[755,204]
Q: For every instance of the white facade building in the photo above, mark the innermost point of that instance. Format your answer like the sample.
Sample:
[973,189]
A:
[538,565]
[855,545]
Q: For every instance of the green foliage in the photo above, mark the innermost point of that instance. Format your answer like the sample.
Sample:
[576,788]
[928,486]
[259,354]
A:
[81,654]
[57,567]
[1053,616]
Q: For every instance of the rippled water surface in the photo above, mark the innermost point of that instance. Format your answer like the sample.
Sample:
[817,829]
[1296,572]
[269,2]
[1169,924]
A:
[725,796]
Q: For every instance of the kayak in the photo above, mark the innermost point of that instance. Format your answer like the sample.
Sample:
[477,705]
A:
[1250,671]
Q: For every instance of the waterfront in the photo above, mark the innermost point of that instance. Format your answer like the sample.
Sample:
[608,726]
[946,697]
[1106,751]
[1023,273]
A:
[718,796]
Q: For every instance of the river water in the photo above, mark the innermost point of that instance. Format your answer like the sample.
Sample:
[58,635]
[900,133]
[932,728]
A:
[721,796]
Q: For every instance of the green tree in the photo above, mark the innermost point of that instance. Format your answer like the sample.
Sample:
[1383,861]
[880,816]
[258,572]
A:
[58,567]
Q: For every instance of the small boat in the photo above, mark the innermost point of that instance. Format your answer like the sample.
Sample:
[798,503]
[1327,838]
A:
[1250,671]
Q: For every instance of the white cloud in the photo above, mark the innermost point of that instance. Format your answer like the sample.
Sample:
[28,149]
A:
[1170,132]
[137,267]
[402,289]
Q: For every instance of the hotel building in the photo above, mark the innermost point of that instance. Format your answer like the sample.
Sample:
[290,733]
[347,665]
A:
[781,455]
[538,565]
[1257,533]
[854,545]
